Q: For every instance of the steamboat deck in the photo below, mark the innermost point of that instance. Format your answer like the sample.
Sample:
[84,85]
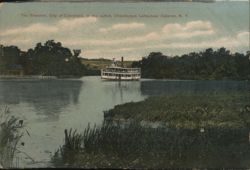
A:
[115,72]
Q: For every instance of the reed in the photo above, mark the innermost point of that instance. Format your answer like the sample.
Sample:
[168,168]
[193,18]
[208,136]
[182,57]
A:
[131,145]
[195,131]
[10,136]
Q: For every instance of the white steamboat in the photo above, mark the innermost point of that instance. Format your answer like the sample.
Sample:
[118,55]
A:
[115,72]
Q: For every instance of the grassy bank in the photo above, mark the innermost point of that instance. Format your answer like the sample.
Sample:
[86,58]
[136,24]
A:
[135,146]
[206,130]
[94,66]
[210,110]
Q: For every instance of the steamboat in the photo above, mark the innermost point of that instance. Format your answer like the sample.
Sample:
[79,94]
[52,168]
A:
[115,72]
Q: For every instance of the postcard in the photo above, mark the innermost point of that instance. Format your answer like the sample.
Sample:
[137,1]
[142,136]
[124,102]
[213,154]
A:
[124,84]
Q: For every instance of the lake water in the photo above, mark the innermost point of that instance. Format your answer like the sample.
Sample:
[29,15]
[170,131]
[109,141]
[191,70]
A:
[50,106]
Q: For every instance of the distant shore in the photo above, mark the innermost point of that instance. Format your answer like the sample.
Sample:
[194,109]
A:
[27,77]
[9,77]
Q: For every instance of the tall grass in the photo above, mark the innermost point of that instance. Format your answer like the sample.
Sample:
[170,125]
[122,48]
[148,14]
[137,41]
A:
[200,131]
[115,145]
[10,136]
[67,153]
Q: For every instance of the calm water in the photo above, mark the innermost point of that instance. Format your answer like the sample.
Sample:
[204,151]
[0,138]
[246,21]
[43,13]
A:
[50,106]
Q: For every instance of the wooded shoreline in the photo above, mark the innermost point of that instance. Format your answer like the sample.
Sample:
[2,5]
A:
[53,59]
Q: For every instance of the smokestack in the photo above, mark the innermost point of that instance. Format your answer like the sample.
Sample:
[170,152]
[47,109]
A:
[113,62]
[122,62]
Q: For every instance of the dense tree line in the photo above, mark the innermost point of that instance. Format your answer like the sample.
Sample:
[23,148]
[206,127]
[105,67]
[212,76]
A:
[208,64]
[50,59]
[9,55]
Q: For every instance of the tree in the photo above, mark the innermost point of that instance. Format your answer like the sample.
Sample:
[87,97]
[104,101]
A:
[54,60]
[208,64]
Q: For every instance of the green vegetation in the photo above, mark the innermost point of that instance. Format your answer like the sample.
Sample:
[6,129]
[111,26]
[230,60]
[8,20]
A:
[49,59]
[137,146]
[94,66]
[231,110]
[10,136]
[209,64]
[10,60]
[206,130]
[52,59]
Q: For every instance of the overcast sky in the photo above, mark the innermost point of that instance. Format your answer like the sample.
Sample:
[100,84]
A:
[131,30]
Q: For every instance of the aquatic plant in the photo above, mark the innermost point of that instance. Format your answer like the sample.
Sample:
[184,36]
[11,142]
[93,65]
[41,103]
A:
[187,110]
[67,153]
[10,136]
[191,130]
[131,145]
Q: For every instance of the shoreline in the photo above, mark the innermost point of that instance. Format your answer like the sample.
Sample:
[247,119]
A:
[40,77]
[35,77]
[26,77]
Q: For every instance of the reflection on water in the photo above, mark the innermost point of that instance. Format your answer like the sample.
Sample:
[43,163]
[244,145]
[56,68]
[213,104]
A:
[50,106]
[48,97]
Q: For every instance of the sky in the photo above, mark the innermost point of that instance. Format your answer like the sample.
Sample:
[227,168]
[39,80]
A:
[132,30]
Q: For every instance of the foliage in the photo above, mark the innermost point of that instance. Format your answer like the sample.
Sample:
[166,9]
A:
[9,55]
[67,154]
[10,136]
[206,130]
[188,110]
[209,64]
[50,59]
[119,145]
[10,60]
